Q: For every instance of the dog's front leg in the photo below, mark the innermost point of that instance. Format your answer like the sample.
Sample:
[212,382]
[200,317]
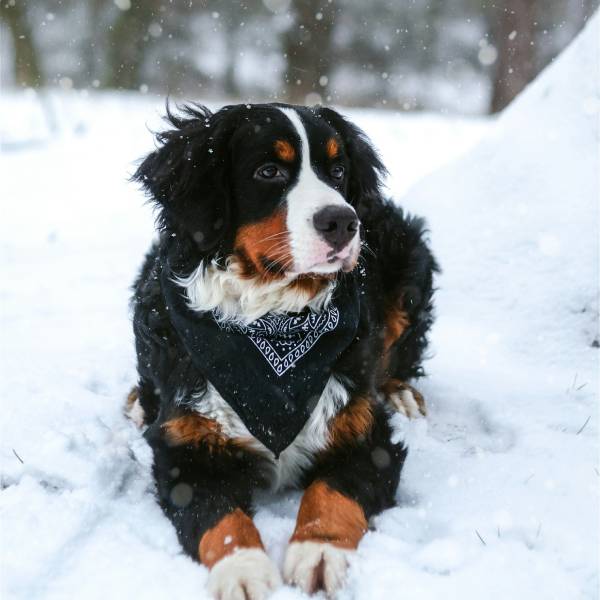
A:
[328,527]
[355,478]
[205,484]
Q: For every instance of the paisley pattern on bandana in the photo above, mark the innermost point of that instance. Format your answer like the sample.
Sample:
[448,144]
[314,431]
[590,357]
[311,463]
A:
[284,339]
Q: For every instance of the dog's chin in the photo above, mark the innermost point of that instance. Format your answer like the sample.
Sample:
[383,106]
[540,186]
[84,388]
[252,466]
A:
[327,269]
[325,264]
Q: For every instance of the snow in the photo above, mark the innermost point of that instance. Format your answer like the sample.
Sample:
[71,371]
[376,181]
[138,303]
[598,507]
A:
[499,497]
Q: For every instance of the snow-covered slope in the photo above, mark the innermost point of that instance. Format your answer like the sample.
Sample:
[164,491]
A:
[511,454]
[526,206]
[499,498]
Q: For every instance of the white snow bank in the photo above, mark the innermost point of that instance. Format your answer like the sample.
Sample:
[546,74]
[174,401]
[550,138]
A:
[499,498]
[512,451]
[525,206]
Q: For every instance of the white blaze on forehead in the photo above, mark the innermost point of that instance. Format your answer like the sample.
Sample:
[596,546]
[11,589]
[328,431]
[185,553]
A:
[294,117]
[306,197]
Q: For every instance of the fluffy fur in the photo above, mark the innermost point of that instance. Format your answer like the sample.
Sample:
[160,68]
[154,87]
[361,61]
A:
[314,565]
[244,299]
[247,574]
[263,208]
[296,458]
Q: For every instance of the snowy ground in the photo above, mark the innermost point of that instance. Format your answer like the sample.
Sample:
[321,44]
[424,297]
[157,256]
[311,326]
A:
[499,498]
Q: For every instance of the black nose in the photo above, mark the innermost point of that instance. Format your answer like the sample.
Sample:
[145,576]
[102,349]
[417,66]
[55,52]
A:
[337,225]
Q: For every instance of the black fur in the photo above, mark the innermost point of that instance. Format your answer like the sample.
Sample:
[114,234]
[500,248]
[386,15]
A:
[194,178]
[196,488]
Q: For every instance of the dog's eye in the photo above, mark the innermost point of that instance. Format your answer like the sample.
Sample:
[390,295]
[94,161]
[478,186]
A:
[337,172]
[269,172]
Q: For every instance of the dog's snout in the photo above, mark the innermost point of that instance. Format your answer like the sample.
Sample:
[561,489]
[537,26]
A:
[337,225]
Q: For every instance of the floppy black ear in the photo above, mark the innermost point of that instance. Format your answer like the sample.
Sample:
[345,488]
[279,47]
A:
[366,168]
[186,175]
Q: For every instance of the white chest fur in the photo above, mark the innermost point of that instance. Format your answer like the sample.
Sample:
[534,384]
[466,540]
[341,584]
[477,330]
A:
[313,437]
[244,300]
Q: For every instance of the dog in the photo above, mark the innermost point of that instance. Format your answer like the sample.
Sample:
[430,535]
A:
[278,320]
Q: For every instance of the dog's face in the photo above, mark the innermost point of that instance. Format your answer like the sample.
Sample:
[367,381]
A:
[278,187]
[290,193]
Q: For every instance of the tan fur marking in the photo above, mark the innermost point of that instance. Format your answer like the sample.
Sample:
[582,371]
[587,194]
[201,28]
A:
[266,240]
[354,421]
[396,323]
[326,515]
[235,530]
[332,148]
[131,398]
[285,151]
[197,430]
[193,429]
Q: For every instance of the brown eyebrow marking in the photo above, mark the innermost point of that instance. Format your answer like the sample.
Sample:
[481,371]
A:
[332,147]
[284,150]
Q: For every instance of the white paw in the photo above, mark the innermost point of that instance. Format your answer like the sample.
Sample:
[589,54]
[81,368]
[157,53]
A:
[136,413]
[407,404]
[247,574]
[314,566]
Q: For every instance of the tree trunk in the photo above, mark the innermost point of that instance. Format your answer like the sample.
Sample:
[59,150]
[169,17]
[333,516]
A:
[230,86]
[93,52]
[127,44]
[515,41]
[26,62]
[308,48]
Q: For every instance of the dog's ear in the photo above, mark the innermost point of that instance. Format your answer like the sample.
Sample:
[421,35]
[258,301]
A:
[366,168]
[186,176]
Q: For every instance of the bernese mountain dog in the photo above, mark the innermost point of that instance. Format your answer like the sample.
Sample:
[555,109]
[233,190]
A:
[278,320]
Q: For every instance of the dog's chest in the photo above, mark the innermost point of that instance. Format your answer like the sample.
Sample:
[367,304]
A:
[299,455]
[271,370]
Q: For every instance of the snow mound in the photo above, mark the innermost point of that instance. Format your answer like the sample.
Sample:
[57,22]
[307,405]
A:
[513,385]
[525,206]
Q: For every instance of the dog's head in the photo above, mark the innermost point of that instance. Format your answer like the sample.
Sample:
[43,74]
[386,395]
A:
[278,187]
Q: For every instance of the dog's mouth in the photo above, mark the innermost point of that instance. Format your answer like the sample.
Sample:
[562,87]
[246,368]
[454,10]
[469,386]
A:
[340,263]
[328,261]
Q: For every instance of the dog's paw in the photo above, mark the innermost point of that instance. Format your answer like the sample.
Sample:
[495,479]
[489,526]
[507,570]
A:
[314,566]
[247,574]
[406,400]
[133,408]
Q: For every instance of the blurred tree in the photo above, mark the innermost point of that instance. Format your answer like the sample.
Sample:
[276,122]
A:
[93,53]
[308,49]
[435,55]
[367,46]
[514,35]
[128,41]
[26,62]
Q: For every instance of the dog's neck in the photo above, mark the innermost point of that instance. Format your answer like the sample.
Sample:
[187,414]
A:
[234,297]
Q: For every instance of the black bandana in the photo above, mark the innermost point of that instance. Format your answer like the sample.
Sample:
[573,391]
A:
[272,371]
